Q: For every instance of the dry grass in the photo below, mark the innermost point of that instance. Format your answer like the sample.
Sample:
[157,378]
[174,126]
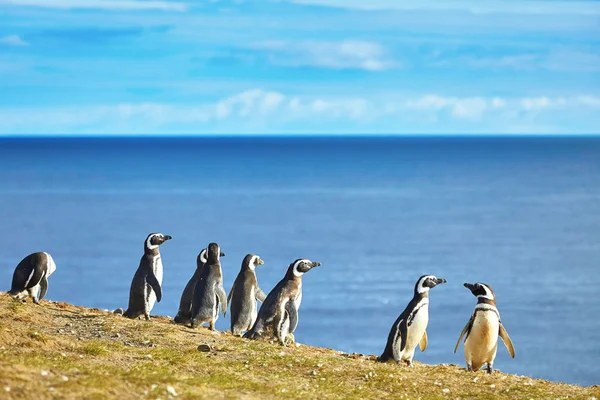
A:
[59,351]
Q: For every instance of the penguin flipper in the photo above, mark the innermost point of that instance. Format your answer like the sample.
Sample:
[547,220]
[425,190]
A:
[467,330]
[222,299]
[506,339]
[43,287]
[423,342]
[290,307]
[260,295]
[153,282]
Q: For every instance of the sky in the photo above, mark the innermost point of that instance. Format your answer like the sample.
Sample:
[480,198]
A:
[299,67]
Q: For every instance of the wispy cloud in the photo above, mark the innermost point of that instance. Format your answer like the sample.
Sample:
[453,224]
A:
[13,40]
[474,6]
[117,5]
[346,54]
[274,110]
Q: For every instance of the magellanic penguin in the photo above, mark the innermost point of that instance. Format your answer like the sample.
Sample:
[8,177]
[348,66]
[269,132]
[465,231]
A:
[278,315]
[243,296]
[146,284]
[483,329]
[184,315]
[31,277]
[209,294]
[409,330]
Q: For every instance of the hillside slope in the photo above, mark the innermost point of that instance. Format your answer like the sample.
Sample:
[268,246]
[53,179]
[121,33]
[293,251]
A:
[60,351]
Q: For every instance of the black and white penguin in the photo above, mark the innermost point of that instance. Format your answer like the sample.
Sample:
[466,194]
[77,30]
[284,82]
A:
[209,293]
[483,329]
[146,284]
[409,330]
[184,314]
[278,315]
[243,296]
[31,277]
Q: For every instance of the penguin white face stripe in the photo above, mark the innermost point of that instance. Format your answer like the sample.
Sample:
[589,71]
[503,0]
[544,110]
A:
[253,262]
[421,288]
[488,293]
[297,264]
[203,256]
[149,244]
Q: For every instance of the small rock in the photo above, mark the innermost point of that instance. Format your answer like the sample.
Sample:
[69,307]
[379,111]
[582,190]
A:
[319,365]
[492,386]
[149,356]
[446,390]
[283,390]
[7,388]
[153,387]
[81,356]
[72,332]
[171,391]
[297,345]
[63,354]
[64,378]
[391,375]
[290,365]
[117,335]
[44,373]
[323,379]
[281,354]
[61,331]
[51,389]
[205,348]
[313,372]
[475,379]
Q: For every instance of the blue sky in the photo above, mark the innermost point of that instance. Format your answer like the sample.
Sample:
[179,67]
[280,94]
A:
[299,66]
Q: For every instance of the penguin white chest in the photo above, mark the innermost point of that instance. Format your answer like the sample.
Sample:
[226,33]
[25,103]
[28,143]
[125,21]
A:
[482,342]
[417,328]
[298,299]
[158,269]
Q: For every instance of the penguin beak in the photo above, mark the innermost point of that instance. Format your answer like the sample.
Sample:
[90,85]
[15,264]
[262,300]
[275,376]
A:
[168,237]
[440,280]
[222,254]
[469,286]
[315,264]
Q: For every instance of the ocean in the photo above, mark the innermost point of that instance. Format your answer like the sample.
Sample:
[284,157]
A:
[520,214]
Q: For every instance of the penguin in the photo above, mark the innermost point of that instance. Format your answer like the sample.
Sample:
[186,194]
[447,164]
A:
[146,284]
[31,277]
[209,294]
[278,315]
[483,329]
[409,329]
[184,314]
[243,296]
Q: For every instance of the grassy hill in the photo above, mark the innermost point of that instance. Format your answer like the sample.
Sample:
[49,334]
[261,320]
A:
[60,351]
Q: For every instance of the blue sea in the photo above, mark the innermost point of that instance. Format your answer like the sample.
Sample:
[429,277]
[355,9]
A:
[521,214]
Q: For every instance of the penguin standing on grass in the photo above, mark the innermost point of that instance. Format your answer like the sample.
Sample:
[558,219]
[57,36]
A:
[244,295]
[31,277]
[184,314]
[278,315]
[483,329]
[146,287]
[209,294]
[409,330]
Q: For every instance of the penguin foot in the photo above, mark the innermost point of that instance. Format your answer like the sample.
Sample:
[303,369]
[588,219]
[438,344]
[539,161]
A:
[409,364]
[469,368]
[490,369]
[35,301]
[290,338]
[147,317]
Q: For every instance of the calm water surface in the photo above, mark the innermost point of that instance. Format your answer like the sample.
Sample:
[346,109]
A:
[522,215]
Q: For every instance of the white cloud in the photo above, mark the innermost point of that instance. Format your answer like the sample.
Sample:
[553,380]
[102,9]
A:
[13,40]
[271,110]
[122,5]
[345,54]
[556,7]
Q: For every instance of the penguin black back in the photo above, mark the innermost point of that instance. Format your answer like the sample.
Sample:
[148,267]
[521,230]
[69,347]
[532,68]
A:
[184,314]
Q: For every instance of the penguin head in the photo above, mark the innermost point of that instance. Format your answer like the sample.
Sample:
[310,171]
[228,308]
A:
[202,257]
[481,290]
[155,239]
[427,282]
[213,253]
[251,261]
[302,266]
